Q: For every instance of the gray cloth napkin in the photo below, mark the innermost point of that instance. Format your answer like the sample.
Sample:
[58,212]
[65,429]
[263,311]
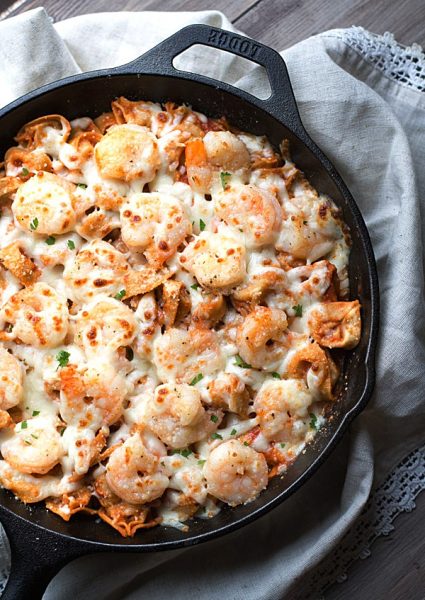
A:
[372,128]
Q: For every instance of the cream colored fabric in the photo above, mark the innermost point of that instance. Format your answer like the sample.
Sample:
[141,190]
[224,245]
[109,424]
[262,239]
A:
[373,129]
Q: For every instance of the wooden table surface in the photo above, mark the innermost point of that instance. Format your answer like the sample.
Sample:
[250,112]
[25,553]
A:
[396,569]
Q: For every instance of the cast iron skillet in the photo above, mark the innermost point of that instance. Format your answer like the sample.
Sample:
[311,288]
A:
[42,542]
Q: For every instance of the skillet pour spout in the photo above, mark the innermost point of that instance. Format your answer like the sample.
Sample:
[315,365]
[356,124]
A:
[40,541]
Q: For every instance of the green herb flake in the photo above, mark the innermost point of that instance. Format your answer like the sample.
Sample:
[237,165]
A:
[196,379]
[239,362]
[24,172]
[129,353]
[276,375]
[313,421]
[27,442]
[120,295]
[34,224]
[201,225]
[71,245]
[224,178]
[63,358]
[214,418]
[245,444]
[62,431]
[50,241]
[216,436]
[34,436]
[24,425]
[201,462]
[82,186]
[195,286]
[298,309]
[35,413]
[282,445]
[185,452]
[233,432]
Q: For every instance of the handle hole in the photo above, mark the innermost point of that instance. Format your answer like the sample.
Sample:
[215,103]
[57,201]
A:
[226,67]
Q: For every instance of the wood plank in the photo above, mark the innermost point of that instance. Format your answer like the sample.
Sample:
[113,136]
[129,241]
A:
[63,9]
[282,23]
[396,567]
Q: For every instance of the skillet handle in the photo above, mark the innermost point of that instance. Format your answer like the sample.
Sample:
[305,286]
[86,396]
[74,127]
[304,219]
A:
[37,556]
[281,103]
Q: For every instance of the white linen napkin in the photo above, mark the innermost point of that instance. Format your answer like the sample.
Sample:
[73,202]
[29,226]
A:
[372,127]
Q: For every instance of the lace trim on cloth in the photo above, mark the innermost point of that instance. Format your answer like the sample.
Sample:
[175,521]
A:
[396,495]
[404,64]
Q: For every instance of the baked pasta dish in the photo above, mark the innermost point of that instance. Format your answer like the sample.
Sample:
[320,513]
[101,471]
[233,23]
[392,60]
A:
[174,298]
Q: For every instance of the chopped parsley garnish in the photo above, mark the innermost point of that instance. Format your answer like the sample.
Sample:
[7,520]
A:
[216,436]
[195,286]
[276,375]
[71,245]
[27,442]
[298,309]
[62,357]
[305,222]
[120,295]
[282,445]
[201,462]
[313,421]
[82,185]
[25,172]
[201,225]
[129,354]
[225,177]
[62,431]
[34,436]
[24,425]
[185,452]
[35,413]
[245,444]
[214,418]
[239,362]
[196,379]
[34,224]
[50,240]
[233,432]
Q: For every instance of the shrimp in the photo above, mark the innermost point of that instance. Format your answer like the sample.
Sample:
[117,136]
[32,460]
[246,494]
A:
[180,355]
[218,151]
[128,152]
[217,261]
[33,488]
[261,337]
[97,269]
[37,316]
[155,224]
[282,409]
[11,376]
[105,324]
[336,324]
[93,395]
[44,205]
[35,447]
[235,473]
[177,417]
[254,211]
[134,473]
